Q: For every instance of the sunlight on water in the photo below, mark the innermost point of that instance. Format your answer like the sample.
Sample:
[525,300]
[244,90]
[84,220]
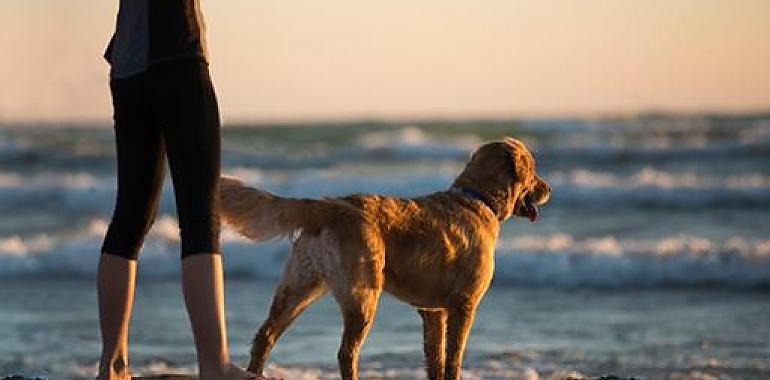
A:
[652,258]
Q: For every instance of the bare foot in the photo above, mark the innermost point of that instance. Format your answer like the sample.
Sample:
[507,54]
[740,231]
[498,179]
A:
[112,375]
[233,372]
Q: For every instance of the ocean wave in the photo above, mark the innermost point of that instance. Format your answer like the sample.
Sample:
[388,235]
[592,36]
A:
[409,144]
[557,142]
[393,145]
[659,133]
[646,188]
[562,260]
[76,254]
[651,187]
[414,142]
[553,260]
[48,180]
[650,177]
[669,199]
[83,192]
[625,153]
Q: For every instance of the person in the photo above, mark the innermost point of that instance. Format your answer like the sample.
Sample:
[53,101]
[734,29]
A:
[164,106]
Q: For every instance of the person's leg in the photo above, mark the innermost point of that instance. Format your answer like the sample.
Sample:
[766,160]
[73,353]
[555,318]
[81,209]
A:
[191,130]
[140,177]
[204,297]
[115,283]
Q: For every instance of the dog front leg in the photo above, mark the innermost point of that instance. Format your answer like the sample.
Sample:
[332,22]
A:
[459,323]
[434,337]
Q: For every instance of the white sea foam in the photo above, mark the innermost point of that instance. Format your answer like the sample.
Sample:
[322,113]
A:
[415,137]
[488,370]
[610,262]
[759,131]
[76,180]
[655,178]
[81,191]
[553,260]
[413,142]
[493,370]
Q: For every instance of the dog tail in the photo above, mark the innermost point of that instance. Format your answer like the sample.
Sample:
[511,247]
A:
[260,215]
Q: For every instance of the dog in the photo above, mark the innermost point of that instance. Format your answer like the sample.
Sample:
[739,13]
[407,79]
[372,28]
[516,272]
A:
[435,252]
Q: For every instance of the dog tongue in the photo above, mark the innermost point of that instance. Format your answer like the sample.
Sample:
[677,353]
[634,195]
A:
[531,211]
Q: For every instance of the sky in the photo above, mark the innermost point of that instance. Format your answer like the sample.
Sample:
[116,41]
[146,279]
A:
[348,59]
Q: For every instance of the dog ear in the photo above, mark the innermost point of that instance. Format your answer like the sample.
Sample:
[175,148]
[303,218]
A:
[521,159]
[488,172]
[491,161]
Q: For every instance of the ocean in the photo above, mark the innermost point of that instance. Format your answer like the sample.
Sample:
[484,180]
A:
[651,260]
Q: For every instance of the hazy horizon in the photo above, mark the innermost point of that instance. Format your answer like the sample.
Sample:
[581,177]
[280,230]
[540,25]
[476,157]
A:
[300,61]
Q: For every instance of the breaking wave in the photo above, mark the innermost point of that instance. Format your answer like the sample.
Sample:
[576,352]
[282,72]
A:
[554,260]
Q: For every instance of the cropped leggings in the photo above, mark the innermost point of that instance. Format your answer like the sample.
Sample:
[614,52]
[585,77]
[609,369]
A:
[171,111]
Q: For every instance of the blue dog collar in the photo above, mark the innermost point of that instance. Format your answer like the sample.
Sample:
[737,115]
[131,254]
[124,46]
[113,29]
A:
[470,193]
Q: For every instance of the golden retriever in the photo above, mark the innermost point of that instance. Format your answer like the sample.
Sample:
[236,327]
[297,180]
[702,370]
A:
[434,252]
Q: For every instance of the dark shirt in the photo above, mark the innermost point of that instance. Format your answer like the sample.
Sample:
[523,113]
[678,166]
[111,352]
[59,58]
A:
[155,31]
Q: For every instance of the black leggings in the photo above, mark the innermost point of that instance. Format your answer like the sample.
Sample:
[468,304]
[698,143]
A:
[169,110]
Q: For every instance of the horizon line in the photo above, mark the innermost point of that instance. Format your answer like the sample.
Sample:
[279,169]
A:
[360,119]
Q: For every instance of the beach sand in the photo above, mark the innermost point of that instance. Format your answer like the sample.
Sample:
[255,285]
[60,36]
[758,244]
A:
[187,377]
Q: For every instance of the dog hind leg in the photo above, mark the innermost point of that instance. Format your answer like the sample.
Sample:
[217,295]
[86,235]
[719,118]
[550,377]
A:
[296,291]
[434,337]
[358,309]
[357,292]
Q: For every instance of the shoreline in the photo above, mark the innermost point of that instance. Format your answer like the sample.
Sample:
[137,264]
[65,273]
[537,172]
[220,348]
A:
[187,377]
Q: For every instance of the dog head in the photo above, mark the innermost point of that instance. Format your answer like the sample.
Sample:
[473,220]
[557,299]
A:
[503,174]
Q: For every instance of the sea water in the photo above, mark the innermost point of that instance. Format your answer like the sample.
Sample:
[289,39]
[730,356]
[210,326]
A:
[651,260]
